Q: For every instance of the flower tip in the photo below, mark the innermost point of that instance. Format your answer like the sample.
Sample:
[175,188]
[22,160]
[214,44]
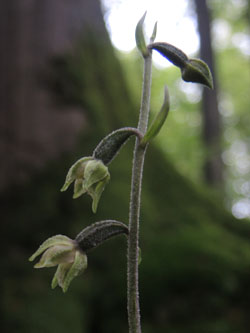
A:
[64,188]
[33,257]
[64,289]
[54,282]
[94,207]
[76,195]
[38,265]
[95,202]
[140,37]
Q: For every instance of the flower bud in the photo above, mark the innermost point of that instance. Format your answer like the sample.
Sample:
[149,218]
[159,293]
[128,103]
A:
[90,176]
[197,71]
[192,70]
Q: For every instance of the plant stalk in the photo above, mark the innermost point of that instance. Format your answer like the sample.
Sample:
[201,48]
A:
[135,199]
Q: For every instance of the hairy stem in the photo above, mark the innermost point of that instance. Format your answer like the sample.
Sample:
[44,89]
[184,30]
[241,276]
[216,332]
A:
[135,198]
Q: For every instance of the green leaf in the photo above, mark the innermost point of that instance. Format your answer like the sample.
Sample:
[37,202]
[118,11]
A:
[152,38]
[159,120]
[140,38]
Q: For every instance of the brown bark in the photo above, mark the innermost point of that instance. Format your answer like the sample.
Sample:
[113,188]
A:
[211,118]
[33,128]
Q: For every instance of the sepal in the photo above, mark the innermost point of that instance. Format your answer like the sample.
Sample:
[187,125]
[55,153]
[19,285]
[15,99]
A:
[51,242]
[65,273]
[75,172]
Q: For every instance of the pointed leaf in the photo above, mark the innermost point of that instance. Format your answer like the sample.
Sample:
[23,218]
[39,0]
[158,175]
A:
[152,38]
[158,121]
[140,37]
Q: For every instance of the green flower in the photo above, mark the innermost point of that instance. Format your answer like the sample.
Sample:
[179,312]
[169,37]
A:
[64,252]
[90,176]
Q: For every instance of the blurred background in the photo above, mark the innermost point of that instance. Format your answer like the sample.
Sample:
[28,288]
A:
[70,74]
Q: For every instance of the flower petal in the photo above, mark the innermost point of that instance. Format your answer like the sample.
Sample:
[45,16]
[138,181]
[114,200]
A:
[79,188]
[95,191]
[74,171]
[94,172]
[56,255]
[55,240]
[60,274]
[78,267]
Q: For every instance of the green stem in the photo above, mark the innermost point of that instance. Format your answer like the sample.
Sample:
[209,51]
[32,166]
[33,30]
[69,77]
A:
[135,199]
[146,92]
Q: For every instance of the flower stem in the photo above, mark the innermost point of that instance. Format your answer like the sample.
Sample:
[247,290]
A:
[135,198]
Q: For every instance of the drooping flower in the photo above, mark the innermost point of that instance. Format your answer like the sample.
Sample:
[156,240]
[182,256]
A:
[65,253]
[90,176]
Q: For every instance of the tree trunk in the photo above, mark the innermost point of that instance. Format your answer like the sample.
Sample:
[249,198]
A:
[34,129]
[211,118]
